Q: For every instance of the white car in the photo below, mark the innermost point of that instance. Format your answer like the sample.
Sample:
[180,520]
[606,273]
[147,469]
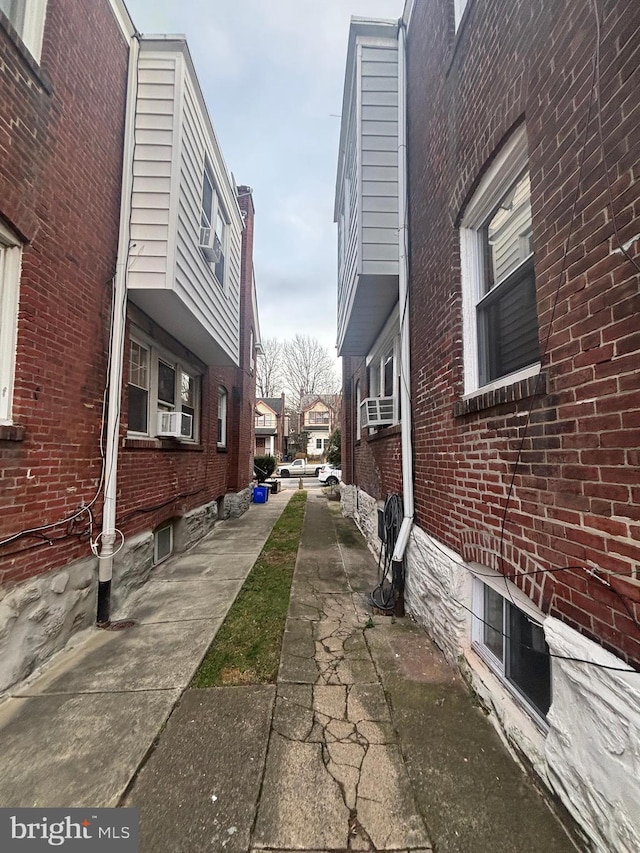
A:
[329,475]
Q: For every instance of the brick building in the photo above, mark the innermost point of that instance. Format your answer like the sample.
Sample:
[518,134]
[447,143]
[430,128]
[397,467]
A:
[491,362]
[128,325]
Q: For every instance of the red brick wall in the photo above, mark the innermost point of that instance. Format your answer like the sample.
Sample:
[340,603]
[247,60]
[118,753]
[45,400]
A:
[61,137]
[575,497]
[374,462]
[60,180]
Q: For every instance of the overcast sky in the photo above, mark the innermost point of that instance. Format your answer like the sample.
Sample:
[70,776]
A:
[272,74]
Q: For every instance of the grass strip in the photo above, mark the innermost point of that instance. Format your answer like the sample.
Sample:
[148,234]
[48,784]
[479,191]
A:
[246,649]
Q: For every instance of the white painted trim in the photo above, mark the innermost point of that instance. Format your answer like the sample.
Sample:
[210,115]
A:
[501,174]
[33,27]
[122,16]
[10,266]
[504,381]
[507,589]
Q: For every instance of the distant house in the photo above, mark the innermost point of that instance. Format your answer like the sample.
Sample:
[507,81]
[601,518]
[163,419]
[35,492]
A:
[489,322]
[271,427]
[128,325]
[319,416]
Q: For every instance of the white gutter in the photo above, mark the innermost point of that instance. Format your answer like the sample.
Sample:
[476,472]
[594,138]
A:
[403,298]
[118,327]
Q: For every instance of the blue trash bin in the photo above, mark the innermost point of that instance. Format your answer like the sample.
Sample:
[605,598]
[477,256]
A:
[260,494]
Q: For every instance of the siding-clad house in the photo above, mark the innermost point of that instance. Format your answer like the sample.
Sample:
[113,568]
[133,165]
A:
[128,325]
[495,391]
[271,427]
[319,416]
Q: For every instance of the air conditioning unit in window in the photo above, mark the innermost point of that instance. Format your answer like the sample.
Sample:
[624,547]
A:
[376,411]
[210,245]
[175,424]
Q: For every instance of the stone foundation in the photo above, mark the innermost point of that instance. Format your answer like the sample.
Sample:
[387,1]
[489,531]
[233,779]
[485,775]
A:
[590,755]
[39,616]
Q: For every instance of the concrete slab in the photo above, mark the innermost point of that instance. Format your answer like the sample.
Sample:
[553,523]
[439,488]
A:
[73,751]
[226,545]
[146,657]
[475,795]
[209,566]
[199,788]
[301,806]
[169,601]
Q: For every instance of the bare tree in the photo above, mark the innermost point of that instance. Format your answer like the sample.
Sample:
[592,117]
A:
[308,367]
[269,375]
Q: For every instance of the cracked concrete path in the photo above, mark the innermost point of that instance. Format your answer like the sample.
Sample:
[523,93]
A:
[369,741]
[335,777]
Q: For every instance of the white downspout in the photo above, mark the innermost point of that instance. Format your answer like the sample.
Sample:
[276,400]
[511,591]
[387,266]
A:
[403,297]
[118,327]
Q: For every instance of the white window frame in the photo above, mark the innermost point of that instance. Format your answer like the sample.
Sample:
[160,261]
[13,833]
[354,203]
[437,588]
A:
[212,218]
[508,165]
[156,556]
[10,266]
[223,416]
[514,597]
[30,24]
[180,366]
[389,340]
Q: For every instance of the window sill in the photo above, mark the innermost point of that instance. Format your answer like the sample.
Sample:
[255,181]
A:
[384,432]
[222,448]
[134,443]
[12,432]
[519,390]
[510,692]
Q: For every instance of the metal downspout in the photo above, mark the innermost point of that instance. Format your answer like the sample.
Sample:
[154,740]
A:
[118,326]
[403,297]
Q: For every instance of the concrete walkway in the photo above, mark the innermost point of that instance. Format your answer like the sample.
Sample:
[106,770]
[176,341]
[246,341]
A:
[76,733]
[369,741]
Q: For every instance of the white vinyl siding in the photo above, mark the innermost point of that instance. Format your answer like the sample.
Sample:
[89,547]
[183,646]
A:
[379,159]
[367,188]
[168,275]
[220,307]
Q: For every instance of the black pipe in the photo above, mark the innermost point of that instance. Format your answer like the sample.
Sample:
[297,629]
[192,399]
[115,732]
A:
[104,603]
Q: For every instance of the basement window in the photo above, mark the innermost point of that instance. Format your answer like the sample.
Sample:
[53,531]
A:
[162,543]
[512,643]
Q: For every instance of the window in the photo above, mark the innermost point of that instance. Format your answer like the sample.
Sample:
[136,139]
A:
[358,415]
[159,382]
[316,418]
[162,542]
[382,406]
[263,420]
[318,444]
[138,388]
[498,282]
[222,417]
[27,19]
[213,226]
[512,643]
[10,258]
